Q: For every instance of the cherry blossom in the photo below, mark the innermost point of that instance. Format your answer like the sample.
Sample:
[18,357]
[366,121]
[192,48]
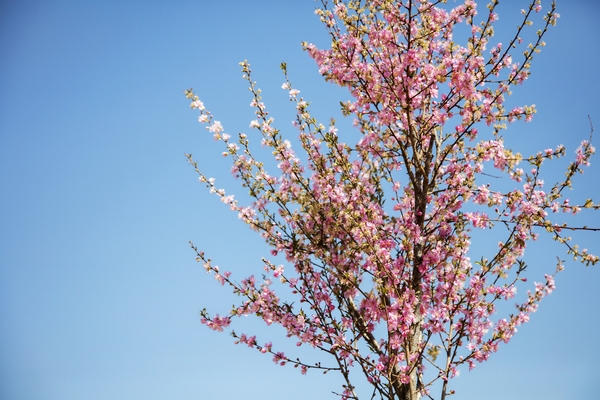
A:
[377,234]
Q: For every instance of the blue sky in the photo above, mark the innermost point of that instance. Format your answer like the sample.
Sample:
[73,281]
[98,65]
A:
[99,291]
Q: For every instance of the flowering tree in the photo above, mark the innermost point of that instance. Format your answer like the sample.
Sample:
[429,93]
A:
[377,233]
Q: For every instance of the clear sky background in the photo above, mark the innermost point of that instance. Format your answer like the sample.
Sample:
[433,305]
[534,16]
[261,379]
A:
[99,290]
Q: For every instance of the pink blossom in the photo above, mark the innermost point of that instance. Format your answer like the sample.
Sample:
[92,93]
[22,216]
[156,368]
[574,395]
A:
[377,233]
